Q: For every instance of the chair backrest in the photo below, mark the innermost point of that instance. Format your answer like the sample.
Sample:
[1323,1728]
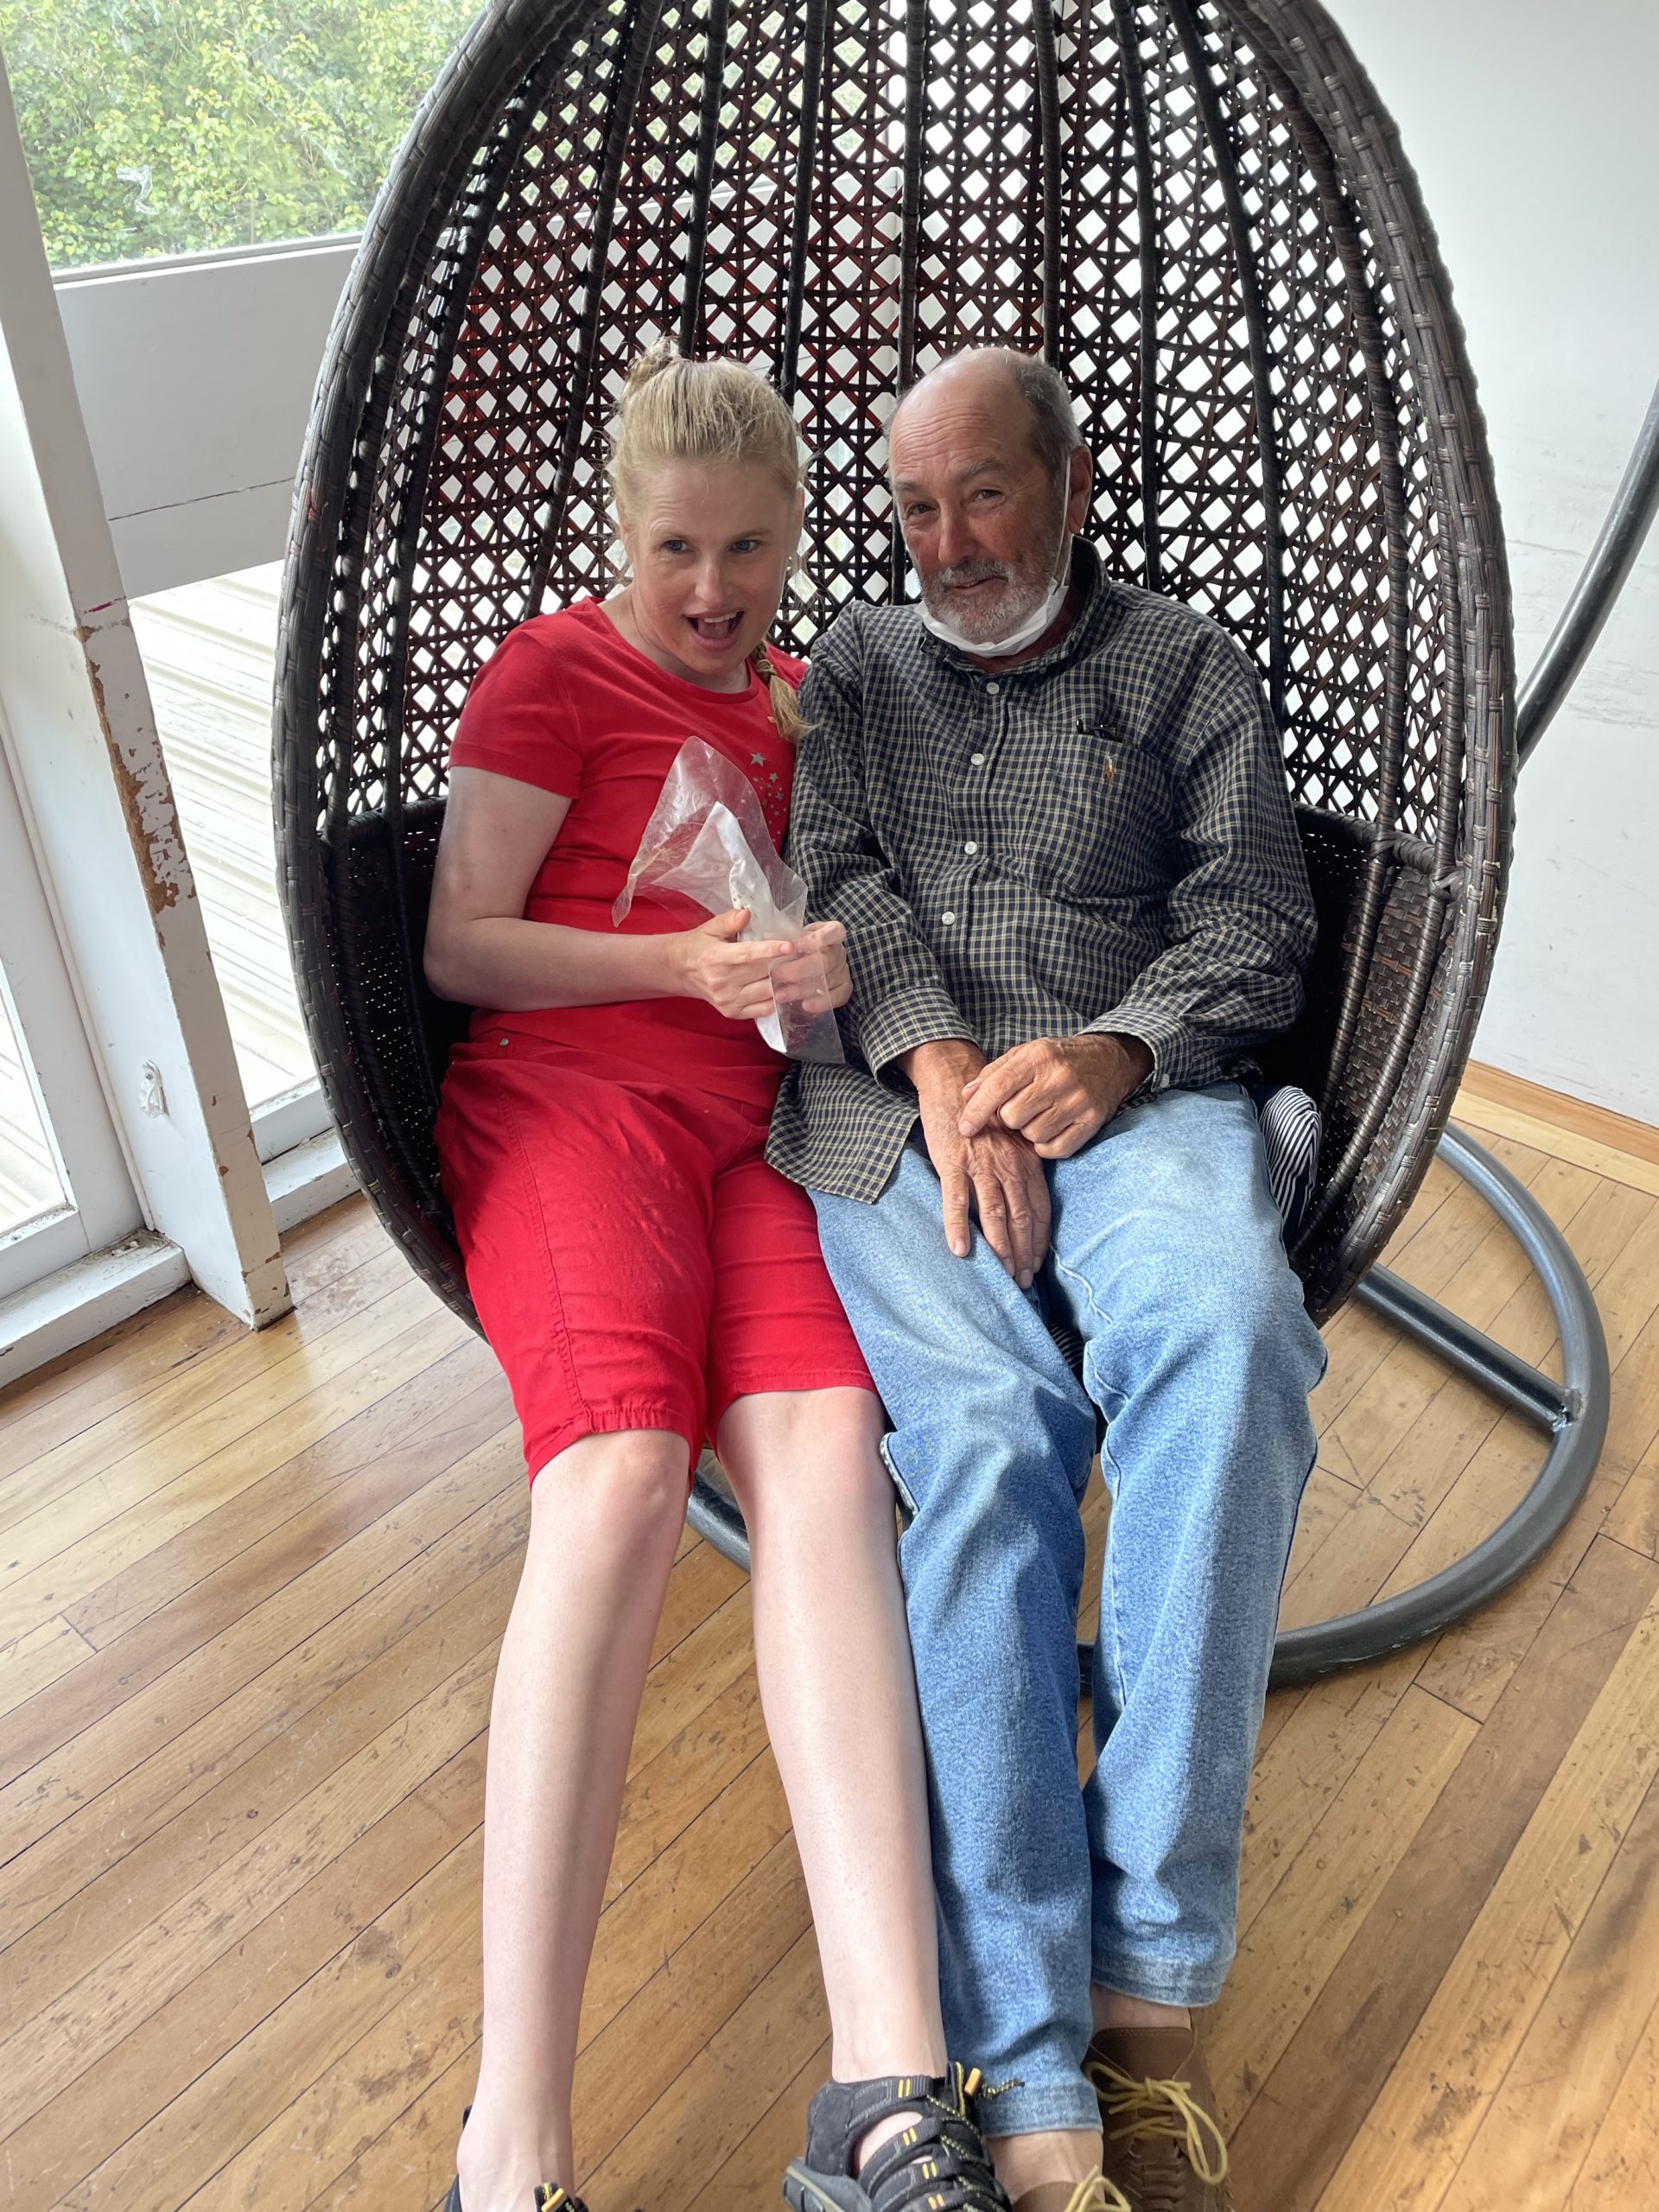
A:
[1198,212]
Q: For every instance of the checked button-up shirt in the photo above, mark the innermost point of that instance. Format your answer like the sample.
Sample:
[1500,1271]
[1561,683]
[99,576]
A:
[1099,839]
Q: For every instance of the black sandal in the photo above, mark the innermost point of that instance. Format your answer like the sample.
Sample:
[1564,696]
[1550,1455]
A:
[938,2162]
[547,2199]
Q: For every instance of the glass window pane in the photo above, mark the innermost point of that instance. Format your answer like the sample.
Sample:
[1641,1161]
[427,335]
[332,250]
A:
[209,652]
[169,126]
[29,1182]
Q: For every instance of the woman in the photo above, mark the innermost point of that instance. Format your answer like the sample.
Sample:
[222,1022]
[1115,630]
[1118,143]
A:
[647,1282]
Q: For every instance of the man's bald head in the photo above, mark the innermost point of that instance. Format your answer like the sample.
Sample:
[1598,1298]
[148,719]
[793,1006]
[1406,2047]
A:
[992,375]
[991,482]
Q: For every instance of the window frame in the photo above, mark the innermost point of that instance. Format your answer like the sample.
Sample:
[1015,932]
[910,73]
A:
[101,1203]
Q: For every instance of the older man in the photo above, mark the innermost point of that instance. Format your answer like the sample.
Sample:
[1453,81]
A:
[1050,811]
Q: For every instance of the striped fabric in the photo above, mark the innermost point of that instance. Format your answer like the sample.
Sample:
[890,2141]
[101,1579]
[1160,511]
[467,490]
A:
[1290,1137]
[1099,839]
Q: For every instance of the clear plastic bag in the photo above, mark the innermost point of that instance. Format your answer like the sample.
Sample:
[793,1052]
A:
[707,840]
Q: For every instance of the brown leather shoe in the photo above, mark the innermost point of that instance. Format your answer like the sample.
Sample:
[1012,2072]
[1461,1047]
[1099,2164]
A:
[1164,2147]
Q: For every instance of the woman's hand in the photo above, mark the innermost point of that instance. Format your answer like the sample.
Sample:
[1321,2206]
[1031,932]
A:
[708,963]
[815,977]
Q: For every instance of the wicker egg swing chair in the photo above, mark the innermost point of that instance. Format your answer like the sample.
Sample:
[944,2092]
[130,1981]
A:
[1198,211]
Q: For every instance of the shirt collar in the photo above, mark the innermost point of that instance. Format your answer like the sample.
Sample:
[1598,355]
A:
[1102,606]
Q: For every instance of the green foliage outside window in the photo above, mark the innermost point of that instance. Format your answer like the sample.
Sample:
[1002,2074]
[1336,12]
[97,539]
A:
[168,126]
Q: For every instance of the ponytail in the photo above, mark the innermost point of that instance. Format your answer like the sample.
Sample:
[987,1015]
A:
[786,702]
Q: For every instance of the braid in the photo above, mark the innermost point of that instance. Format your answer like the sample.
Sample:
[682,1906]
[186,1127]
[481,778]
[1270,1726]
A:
[786,706]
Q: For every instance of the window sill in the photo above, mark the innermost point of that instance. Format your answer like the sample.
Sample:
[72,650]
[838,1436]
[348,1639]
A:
[68,1309]
[80,1301]
[308,1179]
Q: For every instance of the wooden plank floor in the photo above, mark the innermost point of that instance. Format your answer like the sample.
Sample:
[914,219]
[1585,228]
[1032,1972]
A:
[250,1591]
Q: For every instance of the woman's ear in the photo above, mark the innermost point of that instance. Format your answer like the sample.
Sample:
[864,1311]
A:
[625,539]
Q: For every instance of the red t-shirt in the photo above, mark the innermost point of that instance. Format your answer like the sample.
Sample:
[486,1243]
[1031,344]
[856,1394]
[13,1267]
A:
[566,703]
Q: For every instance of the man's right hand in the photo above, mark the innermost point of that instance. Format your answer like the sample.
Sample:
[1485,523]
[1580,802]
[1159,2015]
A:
[995,1173]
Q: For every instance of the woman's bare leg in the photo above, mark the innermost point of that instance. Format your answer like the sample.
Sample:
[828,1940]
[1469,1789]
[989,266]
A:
[833,1654]
[605,1518]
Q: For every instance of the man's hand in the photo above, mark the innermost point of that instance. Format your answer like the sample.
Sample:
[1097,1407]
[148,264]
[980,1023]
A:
[993,1170]
[1057,1092]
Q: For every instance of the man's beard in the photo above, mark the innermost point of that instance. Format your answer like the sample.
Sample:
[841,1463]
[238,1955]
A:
[987,618]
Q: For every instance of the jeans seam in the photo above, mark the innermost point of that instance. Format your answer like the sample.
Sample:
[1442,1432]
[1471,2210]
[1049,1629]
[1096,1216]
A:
[1119,1684]
[1080,1283]
[906,1498]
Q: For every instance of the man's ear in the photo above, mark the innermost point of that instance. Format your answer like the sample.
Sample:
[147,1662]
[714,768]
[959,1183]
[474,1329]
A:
[1082,489]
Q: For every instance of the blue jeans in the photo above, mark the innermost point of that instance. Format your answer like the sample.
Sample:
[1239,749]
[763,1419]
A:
[1166,1256]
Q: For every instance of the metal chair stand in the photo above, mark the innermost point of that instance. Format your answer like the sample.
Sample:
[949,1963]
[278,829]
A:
[1572,1413]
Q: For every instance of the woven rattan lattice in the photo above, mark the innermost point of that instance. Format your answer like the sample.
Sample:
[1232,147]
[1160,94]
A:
[1198,211]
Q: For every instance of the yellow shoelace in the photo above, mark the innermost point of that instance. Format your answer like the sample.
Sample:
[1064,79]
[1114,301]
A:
[1099,2195]
[1165,2110]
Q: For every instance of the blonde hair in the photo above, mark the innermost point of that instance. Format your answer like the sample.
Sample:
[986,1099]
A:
[715,411]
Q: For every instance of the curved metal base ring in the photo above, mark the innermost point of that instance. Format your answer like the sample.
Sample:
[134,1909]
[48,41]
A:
[1573,1414]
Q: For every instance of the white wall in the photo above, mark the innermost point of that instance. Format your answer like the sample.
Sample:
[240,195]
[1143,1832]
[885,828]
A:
[195,378]
[1532,126]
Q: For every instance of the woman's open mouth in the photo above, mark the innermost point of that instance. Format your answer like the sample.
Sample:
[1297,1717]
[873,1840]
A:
[715,629]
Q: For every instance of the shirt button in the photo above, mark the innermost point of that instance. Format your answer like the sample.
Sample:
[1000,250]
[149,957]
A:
[976,760]
[947,918]
[970,847]
[991,690]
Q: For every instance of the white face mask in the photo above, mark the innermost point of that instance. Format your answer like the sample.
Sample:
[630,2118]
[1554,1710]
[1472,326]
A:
[1028,631]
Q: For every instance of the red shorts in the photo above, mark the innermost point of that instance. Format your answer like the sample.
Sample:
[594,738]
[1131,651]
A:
[635,1262]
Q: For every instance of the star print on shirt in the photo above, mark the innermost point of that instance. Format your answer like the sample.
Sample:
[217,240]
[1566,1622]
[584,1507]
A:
[758,759]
